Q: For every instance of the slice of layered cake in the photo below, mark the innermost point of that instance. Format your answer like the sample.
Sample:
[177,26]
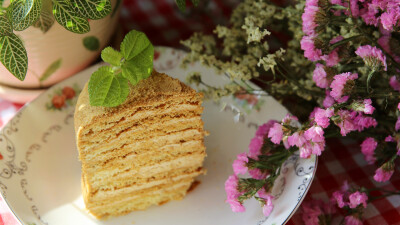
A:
[144,152]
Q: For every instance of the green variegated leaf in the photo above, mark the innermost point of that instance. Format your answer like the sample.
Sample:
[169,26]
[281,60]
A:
[5,26]
[46,18]
[106,89]
[13,56]
[92,9]
[51,70]
[19,10]
[65,15]
[31,18]
[181,4]
[195,2]
[111,56]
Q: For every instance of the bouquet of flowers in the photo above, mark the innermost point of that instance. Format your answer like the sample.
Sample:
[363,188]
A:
[341,64]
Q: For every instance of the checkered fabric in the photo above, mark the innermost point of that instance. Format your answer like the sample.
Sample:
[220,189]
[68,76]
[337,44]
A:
[166,25]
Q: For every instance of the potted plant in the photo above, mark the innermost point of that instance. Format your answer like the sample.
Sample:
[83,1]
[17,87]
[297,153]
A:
[44,41]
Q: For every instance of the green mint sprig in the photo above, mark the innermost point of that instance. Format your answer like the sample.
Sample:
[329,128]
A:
[108,86]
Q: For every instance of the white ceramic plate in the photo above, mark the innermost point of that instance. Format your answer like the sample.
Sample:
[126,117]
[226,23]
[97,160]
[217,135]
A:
[40,171]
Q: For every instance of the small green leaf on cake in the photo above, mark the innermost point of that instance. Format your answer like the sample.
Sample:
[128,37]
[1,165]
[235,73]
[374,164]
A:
[109,85]
[107,89]
[111,56]
[91,43]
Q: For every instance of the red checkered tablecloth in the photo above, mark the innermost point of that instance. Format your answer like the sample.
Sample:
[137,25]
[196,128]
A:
[165,25]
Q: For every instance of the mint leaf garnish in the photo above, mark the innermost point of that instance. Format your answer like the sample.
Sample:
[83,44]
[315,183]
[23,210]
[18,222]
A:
[107,89]
[111,56]
[134,43]
[109,86]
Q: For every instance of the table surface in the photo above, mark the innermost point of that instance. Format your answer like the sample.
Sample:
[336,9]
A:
[341,161]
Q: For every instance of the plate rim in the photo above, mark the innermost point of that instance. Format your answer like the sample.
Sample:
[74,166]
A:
[43,92]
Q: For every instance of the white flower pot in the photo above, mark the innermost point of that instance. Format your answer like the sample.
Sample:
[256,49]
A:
[62,49]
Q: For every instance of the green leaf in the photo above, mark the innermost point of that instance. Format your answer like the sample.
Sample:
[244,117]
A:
[106,89]
[139,67]
[92,9]
[196,2]
[46,18]
[91,43]
[116,7]
[50,70]
[181,4]
[30,18]
[134,42]
[111,56]
[18,10]
[13,56]
[66,16]
[5,26]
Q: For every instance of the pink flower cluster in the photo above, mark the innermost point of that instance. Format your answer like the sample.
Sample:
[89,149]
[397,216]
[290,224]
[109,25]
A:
[240,167]
[314,210]
[381,12]
[307,43]
[353,120]
[384,173]
[344,198]
[338,86]
[372,56]
[232,194]
[368,148]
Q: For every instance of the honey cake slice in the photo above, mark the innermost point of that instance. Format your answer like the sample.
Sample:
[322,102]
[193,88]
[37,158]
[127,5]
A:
[148,150]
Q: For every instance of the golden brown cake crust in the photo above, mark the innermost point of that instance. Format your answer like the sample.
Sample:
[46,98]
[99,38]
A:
[154,88]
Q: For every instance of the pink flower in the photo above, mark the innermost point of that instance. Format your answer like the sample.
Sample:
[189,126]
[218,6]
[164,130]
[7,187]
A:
[296,139]
[367,148]
[398,106]
[338,85]
[332,59]
[319,76]
[382,175]
[315,210]
[339,197]
[358,198]
[322,117]
[346,123]
[372,56]
[316,140]
[268,206]
[394,83]
[368,108]
[305,151]
[397,125]
[233,194]
[255,147]
[308,17]
[355,11]
[389,139]
[276,133]
[351,220]
[257,174]
[310,51]
[328,101]
[263,129]
[239,165]
[391,17]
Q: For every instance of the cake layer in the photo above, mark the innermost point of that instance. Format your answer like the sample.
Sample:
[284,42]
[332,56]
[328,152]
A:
[104,196]
[124,119]
[140,130]
[146,156]
[134,202]
[120,148]
[115,180]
